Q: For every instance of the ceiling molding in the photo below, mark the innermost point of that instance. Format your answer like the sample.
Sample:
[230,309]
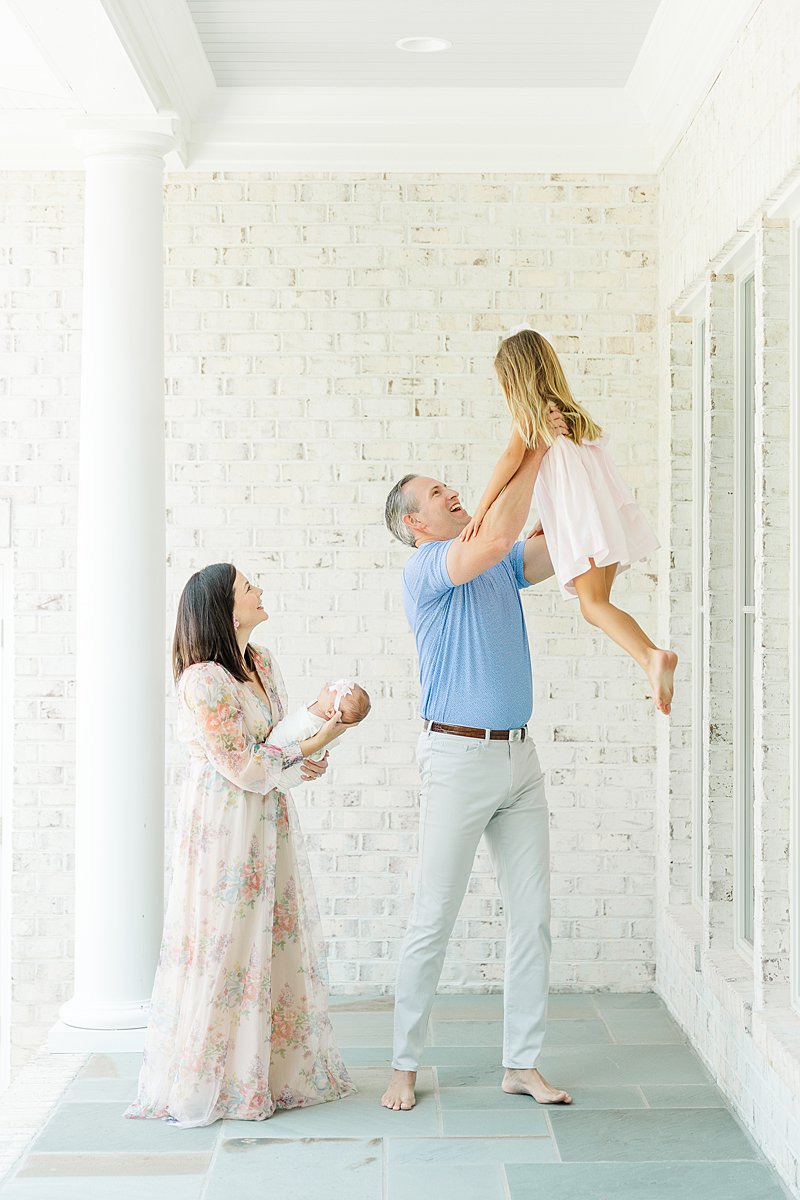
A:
[79,43]
[681,56]
[58,141]
[398,129]
[164,46]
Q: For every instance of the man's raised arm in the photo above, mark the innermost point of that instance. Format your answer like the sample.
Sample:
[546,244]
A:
[504,520]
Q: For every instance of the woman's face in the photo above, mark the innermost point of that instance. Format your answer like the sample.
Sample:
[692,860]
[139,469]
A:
[247,608]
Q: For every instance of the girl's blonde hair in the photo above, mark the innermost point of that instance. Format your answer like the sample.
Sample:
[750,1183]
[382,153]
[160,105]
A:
[531,378]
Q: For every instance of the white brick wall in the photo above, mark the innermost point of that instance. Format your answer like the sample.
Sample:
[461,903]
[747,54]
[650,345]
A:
[739,151]
[324,335]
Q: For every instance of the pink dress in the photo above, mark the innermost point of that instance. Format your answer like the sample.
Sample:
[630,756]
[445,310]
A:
[588,511]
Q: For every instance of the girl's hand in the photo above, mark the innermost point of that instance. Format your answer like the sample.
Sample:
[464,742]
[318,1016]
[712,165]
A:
[555,421]
[470,530]
[537,531]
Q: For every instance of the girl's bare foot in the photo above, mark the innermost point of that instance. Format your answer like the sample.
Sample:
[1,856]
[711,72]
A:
[533,1083]
[660,671]
[399,1095]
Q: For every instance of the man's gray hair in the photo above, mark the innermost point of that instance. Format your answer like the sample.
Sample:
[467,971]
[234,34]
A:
[398,504]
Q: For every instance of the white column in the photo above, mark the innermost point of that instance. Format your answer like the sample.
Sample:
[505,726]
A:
[121,587]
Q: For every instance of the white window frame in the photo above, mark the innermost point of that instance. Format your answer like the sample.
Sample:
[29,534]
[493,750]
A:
[699,344]
[694,306]
[787,207]
[6,780]
[743,620]
[794,602]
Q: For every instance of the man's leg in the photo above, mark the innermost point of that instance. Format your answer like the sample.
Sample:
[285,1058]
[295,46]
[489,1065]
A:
[518,840]
[461,786]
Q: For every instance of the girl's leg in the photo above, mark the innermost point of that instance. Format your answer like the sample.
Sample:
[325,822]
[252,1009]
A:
[610,574]
[593,588]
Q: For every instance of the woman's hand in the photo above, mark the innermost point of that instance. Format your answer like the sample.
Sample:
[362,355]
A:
[328,733]
[311,769]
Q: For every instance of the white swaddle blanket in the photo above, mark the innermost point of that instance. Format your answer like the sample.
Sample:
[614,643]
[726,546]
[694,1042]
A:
[303,724]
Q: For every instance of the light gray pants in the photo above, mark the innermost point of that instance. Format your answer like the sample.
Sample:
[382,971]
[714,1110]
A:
[470,788]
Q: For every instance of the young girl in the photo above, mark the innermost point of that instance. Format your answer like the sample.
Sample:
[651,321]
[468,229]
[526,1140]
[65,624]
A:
[590,519]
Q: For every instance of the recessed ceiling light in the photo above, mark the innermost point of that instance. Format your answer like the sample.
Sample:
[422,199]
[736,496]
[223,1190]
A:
[423,45]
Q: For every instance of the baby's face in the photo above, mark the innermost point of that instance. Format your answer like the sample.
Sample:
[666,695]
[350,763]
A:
[326,699]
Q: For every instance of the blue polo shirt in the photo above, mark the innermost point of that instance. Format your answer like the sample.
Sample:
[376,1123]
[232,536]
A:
[474,659]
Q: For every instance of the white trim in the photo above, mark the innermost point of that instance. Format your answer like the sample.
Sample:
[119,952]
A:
[740,733]
[787,203]
[85,53]
[162,41]
[739,258]
[682,54]
[6,795]
[794,602]
[325,129]
[426,129]
[699,344]
[693,303]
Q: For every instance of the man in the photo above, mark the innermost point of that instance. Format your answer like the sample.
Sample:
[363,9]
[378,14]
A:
[479,770]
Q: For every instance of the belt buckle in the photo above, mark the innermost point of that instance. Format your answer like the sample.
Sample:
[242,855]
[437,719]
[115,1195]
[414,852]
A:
[516,735]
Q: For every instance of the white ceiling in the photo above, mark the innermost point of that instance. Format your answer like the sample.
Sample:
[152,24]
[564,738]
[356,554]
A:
[318,85]
[351,43]
[26,79]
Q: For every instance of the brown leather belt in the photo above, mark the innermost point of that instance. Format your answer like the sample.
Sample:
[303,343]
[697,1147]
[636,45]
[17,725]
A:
[487,735]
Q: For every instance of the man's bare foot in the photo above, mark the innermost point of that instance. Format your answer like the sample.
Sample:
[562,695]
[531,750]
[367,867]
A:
[399,1095]
[533,1083]
[660,671]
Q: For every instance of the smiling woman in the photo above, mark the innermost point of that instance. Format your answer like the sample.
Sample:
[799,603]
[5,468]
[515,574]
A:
[239,1021]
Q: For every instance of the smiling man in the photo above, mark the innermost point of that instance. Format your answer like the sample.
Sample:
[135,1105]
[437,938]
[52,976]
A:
[479,769]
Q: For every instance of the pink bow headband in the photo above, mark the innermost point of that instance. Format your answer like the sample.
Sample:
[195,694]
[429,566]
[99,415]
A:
[340,689]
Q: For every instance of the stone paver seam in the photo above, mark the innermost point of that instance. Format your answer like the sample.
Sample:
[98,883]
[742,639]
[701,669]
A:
[437,1099]
[212,1161]
[505,1183]
[549,1124]
[384,1169]
[607,1027]
[640,1089]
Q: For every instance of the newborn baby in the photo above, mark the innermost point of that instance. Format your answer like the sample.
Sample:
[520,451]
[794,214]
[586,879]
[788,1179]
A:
[344,696]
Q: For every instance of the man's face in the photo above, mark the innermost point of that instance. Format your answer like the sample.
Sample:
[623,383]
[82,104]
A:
[439,515]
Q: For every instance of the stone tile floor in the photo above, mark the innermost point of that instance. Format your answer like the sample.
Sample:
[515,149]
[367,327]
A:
[647,1122]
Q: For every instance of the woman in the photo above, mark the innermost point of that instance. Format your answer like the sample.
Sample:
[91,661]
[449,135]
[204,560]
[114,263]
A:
[238,1022]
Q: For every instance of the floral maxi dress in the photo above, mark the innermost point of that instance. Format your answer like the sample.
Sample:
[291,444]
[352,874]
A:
[238,1022]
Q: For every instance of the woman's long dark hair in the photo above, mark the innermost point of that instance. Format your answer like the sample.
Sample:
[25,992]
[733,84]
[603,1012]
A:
[204,630]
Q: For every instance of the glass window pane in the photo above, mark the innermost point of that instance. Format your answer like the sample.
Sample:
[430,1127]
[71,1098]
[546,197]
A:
[698,648]
[747,791]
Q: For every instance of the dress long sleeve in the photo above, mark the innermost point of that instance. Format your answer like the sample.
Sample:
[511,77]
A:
[207,692]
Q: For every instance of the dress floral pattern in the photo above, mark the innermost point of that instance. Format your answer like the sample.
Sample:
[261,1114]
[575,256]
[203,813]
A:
[239,1020]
